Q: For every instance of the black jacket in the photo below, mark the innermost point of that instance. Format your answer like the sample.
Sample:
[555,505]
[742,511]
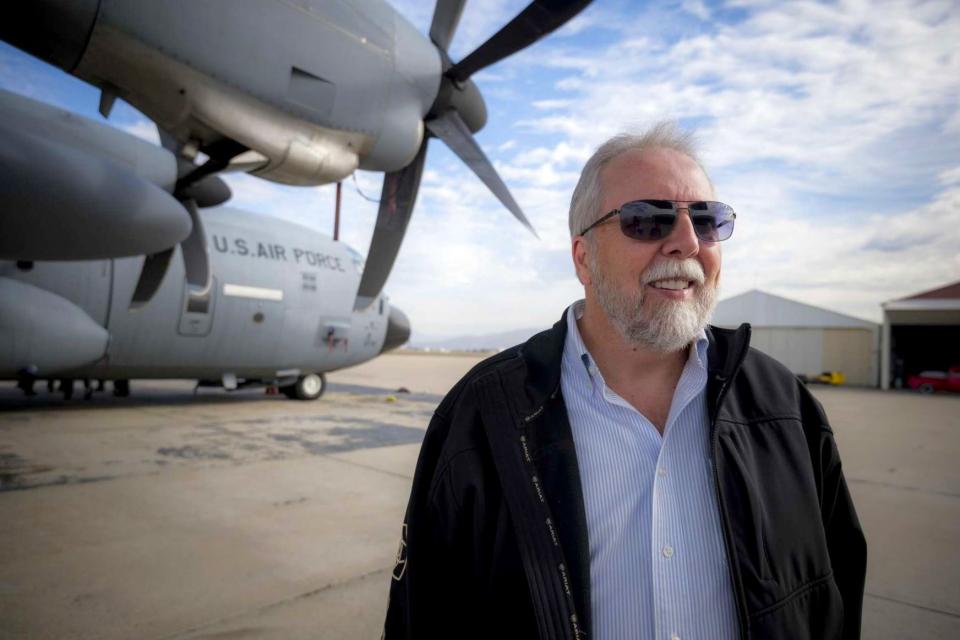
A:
[495,536]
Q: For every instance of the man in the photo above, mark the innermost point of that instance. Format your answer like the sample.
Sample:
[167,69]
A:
[632,473]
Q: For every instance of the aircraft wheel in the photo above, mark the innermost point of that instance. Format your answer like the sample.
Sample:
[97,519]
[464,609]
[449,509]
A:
[310,386]
[926,387]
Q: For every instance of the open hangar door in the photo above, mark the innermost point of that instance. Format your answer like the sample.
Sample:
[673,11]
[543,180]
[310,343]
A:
[916,348]
[920,333]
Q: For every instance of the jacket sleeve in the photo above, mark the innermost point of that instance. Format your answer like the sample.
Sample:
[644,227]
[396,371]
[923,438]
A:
[426,587]
[845,541]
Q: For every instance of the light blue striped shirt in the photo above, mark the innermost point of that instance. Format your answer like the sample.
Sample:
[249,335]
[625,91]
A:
[658,568]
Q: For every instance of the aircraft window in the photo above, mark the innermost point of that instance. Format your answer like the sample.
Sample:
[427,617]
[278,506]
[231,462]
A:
[381,306]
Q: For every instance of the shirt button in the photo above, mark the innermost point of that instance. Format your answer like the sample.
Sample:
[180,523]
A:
[674,636]
[661,471]
[667,551]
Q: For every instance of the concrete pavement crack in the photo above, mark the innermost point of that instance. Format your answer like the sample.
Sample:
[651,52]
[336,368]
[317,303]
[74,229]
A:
[913,605]
[367,466]
[902,487]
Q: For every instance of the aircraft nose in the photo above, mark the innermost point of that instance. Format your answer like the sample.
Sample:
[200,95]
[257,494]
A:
[398,330]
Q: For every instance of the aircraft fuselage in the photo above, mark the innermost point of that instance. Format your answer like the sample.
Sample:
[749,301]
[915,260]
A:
[282,305]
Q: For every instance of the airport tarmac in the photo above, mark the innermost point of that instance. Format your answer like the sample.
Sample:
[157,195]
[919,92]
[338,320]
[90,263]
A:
[242,515]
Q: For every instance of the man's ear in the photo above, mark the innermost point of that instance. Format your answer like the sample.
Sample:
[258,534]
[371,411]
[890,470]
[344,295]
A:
[579,251]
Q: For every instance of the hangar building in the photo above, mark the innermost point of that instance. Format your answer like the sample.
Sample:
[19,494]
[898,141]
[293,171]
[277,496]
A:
[807,339]
[920,333]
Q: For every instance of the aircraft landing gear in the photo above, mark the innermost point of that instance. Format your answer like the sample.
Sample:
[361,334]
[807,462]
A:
[121,388]
[308,387]
[26,380]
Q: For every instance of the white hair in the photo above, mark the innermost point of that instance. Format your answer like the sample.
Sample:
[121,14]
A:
[587,197]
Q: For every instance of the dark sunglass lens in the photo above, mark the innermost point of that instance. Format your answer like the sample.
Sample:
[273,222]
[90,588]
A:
[662,225]
[646,221]
[706,227]
[716,224]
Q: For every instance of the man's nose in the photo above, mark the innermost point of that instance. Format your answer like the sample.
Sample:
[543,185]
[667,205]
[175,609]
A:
[682,241]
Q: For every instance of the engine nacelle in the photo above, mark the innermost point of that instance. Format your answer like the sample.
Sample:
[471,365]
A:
[74,189]
[43,333]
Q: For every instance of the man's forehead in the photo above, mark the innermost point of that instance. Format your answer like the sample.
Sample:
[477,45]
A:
[666,173]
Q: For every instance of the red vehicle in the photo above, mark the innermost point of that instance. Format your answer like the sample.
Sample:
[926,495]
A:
[930,381]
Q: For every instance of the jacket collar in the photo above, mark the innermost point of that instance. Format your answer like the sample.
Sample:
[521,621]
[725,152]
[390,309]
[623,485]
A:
[543,353]
[542,356]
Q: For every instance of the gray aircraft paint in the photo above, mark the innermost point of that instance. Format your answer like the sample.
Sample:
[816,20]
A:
[92,191]
[348,84]
[282,305]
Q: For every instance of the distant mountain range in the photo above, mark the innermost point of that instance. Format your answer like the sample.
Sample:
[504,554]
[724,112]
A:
[484,342]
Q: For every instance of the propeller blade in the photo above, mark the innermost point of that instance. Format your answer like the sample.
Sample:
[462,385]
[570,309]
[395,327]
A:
[151,276]
[196,267]
[451,128]
[196,263]
[446,16]
[537,20]
[397,198]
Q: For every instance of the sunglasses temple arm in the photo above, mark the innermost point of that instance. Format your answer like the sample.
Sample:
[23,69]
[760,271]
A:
[602,219]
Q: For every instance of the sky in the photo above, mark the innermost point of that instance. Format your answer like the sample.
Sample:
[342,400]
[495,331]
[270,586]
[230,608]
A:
[832,128]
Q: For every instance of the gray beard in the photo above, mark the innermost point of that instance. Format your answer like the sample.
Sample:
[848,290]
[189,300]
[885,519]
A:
[666,326]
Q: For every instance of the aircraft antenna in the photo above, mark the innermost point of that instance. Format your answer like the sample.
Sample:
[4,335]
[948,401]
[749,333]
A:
[336,214]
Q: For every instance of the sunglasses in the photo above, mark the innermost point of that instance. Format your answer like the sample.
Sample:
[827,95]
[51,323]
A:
[651,220]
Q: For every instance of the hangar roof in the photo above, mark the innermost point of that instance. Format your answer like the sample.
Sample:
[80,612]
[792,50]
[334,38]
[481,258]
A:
[763,309]
[947,292]
[936,306]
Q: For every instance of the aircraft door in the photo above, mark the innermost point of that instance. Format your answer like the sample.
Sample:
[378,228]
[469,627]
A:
[193,323]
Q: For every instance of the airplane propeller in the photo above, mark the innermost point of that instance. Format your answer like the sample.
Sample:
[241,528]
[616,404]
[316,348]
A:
[196,187]
[540,18]
[457,113]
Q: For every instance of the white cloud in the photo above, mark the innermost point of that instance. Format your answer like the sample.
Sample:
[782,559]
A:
[849,265]
[800,101]
[696,8]
[802,83]
[950,176]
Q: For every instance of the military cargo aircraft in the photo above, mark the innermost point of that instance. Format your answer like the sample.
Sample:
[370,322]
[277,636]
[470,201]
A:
[280,313]
[111,269]
[279,308]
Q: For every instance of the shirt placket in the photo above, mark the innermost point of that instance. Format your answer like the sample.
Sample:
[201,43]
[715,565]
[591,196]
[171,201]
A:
[666,549]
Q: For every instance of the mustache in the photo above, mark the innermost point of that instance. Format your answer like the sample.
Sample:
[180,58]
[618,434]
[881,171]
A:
[688,269]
